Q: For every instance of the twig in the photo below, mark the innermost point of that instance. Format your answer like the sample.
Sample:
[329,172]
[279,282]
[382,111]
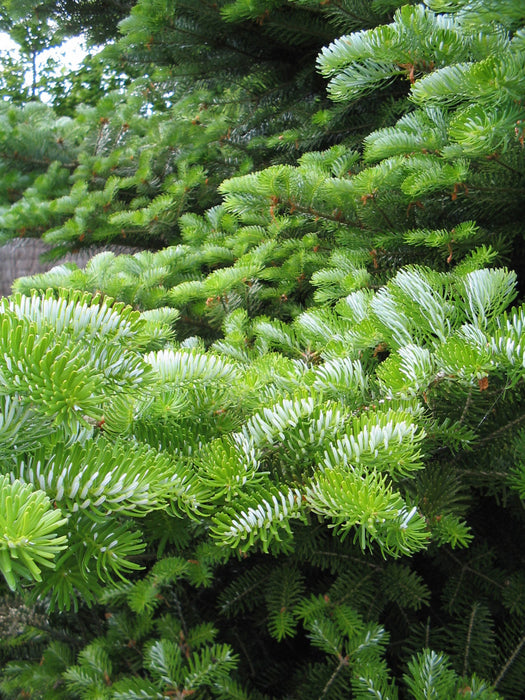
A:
[509,662]
[377,567]
[248,659]
[469,635]
[467,405]
[343,661]
[499,431]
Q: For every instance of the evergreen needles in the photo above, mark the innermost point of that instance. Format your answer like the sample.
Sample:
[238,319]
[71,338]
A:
[278,454]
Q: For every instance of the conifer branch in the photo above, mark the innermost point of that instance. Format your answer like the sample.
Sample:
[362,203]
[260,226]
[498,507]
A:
[496,159]
[45,162]
[467,405]
[469,634]
[348,557]
[247,656]
[466,569]
[503,429]
[492,475]
[343,663]
[516,651]
[338,217]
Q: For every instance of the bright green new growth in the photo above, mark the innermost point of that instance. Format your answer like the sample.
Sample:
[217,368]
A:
[29,538]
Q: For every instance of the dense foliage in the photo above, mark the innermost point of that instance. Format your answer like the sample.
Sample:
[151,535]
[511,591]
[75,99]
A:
[279,452]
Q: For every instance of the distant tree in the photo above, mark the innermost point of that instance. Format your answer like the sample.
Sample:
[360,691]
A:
[98,19]
[210,92]
[13,73]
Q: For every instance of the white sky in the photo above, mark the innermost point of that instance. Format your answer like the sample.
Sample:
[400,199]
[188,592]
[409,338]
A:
[70,53]
[69,56]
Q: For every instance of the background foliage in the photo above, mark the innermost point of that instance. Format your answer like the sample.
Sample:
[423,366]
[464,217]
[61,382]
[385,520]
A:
[279,451]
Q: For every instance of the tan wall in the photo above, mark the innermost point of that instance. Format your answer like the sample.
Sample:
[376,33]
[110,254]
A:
[21,257]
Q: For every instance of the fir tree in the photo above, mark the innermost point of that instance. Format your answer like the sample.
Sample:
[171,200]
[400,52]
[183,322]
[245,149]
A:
[282,458]
[218,90]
